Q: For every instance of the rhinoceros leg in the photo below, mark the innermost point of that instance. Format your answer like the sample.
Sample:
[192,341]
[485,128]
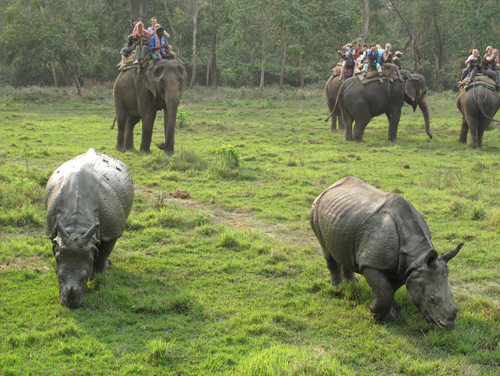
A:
[105,249]
[348,275]
[334,268]
[381,307]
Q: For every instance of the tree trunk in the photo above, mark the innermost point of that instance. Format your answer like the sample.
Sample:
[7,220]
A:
[406,26]
[54,73]
[208,72]
[283,63]
[138,10]
[195,28]
[367,20]
[176,38]
[213,73]
[301,73]
[65,74]
[77,84]
[263,66]
[439,55]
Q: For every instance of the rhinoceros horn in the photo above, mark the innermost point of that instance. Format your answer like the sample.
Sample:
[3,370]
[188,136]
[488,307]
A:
[448,256]
[89,233]
[62,231]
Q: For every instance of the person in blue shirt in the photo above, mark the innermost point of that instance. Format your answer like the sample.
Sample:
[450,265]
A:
[373,57]
[159,47]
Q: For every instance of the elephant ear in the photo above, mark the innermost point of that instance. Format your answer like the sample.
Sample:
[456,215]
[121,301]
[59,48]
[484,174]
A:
[149,81]
[411,89]
[183,74]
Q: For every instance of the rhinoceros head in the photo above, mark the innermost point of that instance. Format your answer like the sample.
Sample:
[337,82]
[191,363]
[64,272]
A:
[428,288]
[74,263]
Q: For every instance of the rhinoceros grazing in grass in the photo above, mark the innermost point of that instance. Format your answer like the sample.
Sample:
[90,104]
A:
[383,237]
[88,200]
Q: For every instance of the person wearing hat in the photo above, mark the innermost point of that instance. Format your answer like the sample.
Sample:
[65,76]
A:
[397,59]
[159,47]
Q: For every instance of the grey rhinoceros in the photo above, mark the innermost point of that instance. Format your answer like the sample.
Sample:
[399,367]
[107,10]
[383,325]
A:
[88,200]
[383,237]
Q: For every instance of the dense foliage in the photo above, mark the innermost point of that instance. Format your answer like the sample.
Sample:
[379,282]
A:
[241,42]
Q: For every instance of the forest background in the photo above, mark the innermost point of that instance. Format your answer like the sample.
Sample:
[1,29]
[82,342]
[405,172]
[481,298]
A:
[240,42]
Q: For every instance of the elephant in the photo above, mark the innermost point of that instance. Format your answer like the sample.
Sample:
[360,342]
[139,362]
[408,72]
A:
[139,94]
[478,103]
[360,102]
[331,92]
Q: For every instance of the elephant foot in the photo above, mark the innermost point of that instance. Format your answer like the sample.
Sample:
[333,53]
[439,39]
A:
[162,146]
[147,152]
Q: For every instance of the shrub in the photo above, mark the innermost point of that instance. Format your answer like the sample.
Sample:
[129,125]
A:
[228,156]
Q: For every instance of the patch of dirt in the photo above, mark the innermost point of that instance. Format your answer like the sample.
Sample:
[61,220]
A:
[179,193]
[301,237]
[21,265]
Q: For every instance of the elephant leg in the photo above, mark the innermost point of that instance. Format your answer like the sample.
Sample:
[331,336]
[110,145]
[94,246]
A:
[393,125]
[362,118]
[341,123]
[359,129]
[381,307]
[347,120]
[463,131]
[129,131]
[473,127]
[483,125]
[148,122]
[120,138]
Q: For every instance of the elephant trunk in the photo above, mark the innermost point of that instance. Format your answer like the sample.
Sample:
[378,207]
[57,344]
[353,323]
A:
[172,104]
[422,104]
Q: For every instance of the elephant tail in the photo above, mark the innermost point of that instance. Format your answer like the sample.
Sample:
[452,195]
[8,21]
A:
[114,122]
[480,103]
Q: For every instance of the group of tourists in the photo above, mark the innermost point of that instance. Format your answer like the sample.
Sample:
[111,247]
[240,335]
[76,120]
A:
[488,65]
[142,42]
[371,57]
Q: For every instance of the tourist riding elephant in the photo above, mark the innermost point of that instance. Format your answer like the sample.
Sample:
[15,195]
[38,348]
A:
[331,92]
[361,102]
[140,94]
[478,104]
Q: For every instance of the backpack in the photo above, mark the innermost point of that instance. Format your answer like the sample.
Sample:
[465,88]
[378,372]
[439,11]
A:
[373,59]
[349,61]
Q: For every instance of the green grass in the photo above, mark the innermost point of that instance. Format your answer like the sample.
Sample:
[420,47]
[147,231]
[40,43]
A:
[231,281]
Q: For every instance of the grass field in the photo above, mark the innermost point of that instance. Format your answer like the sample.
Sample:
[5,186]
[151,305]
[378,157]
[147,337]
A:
[231,280]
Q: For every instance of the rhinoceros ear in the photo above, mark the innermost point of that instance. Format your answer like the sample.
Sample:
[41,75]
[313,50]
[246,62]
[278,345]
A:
[447,257]
[431,258]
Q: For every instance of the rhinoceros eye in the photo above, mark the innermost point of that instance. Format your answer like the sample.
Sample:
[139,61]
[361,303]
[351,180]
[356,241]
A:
[432,299]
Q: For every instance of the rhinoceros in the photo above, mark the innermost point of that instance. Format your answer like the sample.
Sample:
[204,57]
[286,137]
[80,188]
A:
[88,200]
[383,237]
